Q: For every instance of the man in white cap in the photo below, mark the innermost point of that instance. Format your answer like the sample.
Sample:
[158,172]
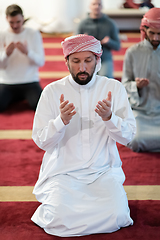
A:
[141,78]
[77,123]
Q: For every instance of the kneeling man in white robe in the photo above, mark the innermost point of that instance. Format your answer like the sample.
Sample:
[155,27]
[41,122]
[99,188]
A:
[77,123]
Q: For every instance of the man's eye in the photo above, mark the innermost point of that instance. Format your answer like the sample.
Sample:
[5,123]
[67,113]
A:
[88,60]
[75,61]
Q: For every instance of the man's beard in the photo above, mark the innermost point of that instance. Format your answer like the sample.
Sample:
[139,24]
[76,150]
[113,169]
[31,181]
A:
[82,82]
[154,43]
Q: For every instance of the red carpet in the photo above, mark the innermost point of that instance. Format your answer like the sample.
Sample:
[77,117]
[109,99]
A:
[20,163]
[15,223]
[52,39]
[55,51]
[21,159]
[18,116]
[140,168]
[57,66]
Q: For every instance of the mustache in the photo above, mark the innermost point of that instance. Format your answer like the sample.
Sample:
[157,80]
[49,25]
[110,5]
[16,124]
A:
[85,73]
[154,41]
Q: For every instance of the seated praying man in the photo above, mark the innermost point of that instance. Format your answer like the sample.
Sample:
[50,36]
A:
[21,55]
[141,78]
[77,123]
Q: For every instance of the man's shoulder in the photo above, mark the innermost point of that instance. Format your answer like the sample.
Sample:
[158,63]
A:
[4,32]
[85,21]
[58,83]
[31,30]
[105,81]
[110,84]
[107,19]
[136,47]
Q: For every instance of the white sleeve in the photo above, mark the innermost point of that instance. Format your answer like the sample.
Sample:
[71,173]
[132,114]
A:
[122,125]
[36,54]
[128,79]
[3,55]
[48,128]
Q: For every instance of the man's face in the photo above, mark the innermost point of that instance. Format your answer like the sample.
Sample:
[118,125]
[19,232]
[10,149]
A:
[16,23]
[153,36]
[82,66]
[96,7]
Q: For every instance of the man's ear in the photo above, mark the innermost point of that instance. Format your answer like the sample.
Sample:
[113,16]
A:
[66,62]
[145,32]
[96,58]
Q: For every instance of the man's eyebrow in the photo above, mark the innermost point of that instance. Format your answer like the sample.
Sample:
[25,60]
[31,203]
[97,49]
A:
[75,58]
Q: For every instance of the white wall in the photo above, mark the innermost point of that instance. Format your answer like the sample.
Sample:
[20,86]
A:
[55,15]
[156,3]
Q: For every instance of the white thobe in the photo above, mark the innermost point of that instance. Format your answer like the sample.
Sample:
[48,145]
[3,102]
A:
[142,61]
[80,180]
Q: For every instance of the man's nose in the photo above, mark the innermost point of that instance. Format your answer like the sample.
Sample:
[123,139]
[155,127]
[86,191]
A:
[82,67]
[14,25]
[156,37]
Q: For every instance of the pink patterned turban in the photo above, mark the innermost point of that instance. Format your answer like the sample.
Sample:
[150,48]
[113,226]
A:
[82,43]
[151,19]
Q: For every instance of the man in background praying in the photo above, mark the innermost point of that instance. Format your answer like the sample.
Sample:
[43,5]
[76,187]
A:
[21,54]
[141,78]
[104,29]
[77,123]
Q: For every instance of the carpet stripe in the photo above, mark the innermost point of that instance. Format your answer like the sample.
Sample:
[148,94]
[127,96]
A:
[132,35]
[54,58]
[117,74]
[58,45]
[52,45]
[15,134]
[64,35]
[24,193]
[58,35]
[53,74]
[58,58]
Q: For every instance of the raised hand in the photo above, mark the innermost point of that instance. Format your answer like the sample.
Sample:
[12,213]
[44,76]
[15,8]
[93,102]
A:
[22,47]
[10,48]
[66,110]
[105,40]
[141,82]
[103,108]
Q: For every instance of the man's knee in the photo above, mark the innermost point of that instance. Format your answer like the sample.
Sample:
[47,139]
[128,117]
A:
[140,144]
[134,145]
[33,97]
[123,219]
